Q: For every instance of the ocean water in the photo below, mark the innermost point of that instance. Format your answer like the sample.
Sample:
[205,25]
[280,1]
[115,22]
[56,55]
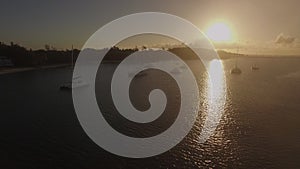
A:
[259,127]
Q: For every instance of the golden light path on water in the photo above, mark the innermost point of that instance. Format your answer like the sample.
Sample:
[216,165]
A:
[216,98]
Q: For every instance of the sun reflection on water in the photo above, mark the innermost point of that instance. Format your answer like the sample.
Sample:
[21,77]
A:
[216,98]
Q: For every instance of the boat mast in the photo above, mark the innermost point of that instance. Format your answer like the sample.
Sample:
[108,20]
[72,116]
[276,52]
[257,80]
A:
[237,54]
[72,58]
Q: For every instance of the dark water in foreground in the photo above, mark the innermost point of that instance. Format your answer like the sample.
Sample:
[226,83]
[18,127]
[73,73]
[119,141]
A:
[259,129]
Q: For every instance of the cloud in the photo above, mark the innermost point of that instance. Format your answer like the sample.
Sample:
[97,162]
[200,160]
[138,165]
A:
[283,39]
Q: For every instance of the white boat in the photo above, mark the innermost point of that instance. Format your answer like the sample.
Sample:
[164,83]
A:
[236,70]
[254,67]
[77,82]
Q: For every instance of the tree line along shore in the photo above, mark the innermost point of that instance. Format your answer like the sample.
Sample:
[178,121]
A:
[14,57]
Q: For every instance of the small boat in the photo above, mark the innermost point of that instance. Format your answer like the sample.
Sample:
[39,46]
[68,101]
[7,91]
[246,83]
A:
[66,86]
[236,70]
[254,67]
[76,82]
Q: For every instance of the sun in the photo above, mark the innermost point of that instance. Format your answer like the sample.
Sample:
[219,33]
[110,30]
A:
[219,32]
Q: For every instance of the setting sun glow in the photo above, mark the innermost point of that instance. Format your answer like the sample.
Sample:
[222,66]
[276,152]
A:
[219,32]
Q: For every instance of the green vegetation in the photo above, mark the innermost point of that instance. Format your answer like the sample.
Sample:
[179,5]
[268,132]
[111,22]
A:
[22,57]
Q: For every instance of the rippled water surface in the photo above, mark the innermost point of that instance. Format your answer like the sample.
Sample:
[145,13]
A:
[259,127]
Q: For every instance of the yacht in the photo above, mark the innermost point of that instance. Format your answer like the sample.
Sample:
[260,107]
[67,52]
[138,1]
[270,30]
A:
[76,83]
[254,67]
[236,69]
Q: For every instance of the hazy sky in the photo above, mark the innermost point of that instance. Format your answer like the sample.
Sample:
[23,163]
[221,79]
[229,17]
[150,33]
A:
[259,26]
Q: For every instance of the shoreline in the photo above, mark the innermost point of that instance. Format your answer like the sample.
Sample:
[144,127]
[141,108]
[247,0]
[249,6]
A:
[23,69]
